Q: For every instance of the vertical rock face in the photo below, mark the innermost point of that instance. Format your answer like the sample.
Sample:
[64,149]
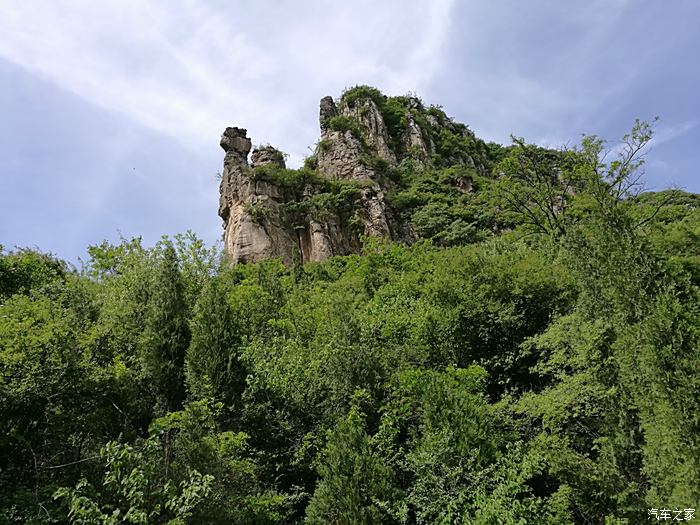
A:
[237,146]
[343,155]
[256,226]
[367,115]
[264,217]
[339,156]
[327,111]
[253,225]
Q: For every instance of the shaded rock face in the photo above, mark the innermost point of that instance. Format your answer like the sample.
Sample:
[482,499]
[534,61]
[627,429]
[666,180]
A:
[355,143]
[321,240]
[327,111]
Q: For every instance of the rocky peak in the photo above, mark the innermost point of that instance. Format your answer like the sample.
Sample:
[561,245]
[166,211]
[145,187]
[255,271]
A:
[352,133]
[236,143]
[267,155]
[363,137]
[327,111]
[371,123]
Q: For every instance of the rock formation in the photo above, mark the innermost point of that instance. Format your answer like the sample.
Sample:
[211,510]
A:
[250,208]
[265,215]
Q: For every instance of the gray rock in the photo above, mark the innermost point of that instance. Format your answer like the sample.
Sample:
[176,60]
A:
[253,208]
[415,141]
[367,114]
[235,142]
[327,111]
[339,155]
[263,155]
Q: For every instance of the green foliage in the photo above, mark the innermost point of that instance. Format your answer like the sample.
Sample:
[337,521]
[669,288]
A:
[344,123]
[257,211]
[395,115]
[107,259]
[453,146]
[135,489]
[354,485]
[53,401]
[671,221]
[24,271]
[311,163]
[192,440]
[292,181]
[324,145]
[535,186]
[166,330]
[353,95]
[378,164]
[437,221]
[549,192]
[481,375]
[213,366]
[328,198]
[446,205]
[197,263]
[436,429]
[394,112]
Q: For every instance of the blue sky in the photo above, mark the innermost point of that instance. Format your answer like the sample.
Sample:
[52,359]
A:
[111,111]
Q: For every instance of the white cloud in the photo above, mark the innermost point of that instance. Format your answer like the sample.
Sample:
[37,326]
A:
[187,69]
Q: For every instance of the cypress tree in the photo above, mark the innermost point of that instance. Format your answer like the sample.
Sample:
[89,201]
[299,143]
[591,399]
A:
[212,362]
[167,334]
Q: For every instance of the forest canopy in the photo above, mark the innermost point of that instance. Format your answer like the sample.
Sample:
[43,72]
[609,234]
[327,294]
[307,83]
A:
[534,358]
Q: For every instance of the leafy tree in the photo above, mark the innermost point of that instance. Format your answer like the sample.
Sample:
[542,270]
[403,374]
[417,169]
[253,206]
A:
[534,185]
[192,439]
[25,271]
[548,191]
[136,490]
[107,259]
[54,407]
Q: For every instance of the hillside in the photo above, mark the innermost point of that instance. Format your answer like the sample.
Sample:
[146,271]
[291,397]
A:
[420,328]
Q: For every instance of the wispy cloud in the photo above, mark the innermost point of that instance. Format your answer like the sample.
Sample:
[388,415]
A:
[667,133]
[186,69]
[121,56]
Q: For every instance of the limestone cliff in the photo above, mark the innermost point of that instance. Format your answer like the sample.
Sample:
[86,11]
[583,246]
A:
[340,196]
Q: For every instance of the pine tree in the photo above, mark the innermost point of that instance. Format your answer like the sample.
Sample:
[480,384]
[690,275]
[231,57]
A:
[167,334]
[212,364]
[355,483]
